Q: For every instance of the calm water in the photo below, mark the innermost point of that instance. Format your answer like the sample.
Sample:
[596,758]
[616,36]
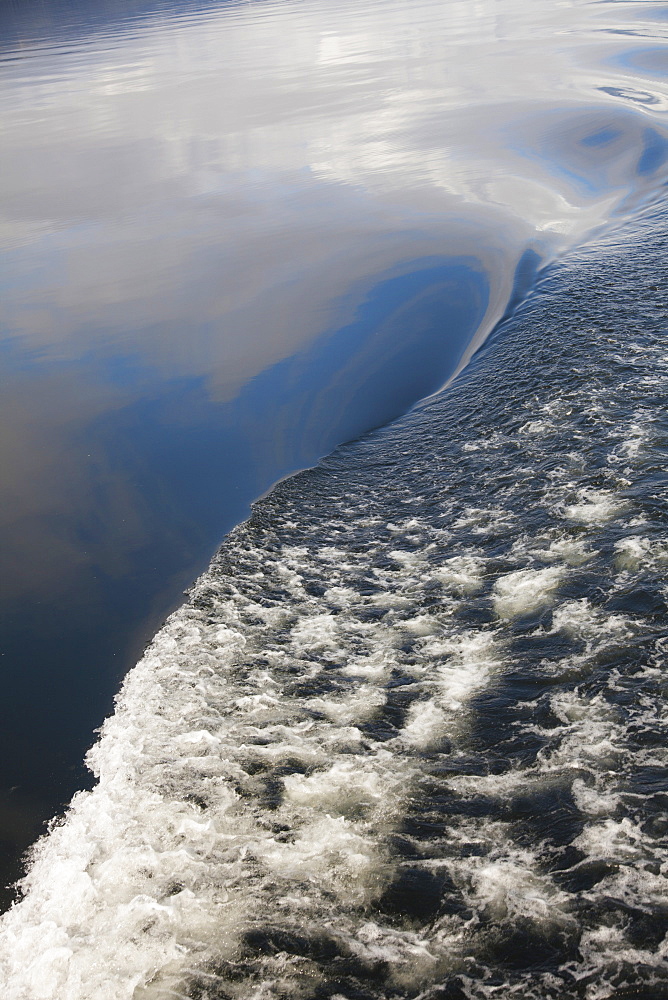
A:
[404,739]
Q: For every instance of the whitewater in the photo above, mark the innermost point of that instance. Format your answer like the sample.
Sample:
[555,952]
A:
[406,737]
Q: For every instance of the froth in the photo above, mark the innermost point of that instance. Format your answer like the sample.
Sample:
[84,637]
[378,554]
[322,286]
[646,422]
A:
[526,590]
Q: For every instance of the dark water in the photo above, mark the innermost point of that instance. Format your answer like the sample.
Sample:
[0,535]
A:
[405,738]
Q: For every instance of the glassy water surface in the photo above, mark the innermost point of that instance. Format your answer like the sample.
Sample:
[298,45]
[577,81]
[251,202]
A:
[235,235]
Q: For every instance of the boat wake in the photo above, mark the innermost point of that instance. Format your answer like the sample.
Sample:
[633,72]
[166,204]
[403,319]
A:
[406,737]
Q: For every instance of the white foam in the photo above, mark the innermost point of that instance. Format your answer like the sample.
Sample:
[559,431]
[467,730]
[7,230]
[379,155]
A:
[618,840]
[594,802]
[526,590]
[460,666]
[482,520]
[359,705]
[598,629]
[595,507]
[535,427]
[317,633]
[591,736]
[636,437]
[426,723]
[637,552]
[572,551]
[173,854]
[408,954]
[462,575]
[100,896]
[375,665]
[632,552]
[511,887]
[421,625]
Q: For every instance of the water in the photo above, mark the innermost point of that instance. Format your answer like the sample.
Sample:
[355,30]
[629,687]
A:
[405,738]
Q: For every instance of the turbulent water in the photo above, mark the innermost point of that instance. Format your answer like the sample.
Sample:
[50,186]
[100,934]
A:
[407,737]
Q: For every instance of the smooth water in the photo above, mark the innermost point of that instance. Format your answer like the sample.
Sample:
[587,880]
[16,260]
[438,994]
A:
[405,737]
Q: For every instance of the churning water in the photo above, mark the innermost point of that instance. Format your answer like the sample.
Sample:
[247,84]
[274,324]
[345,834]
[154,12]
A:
[407,736]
